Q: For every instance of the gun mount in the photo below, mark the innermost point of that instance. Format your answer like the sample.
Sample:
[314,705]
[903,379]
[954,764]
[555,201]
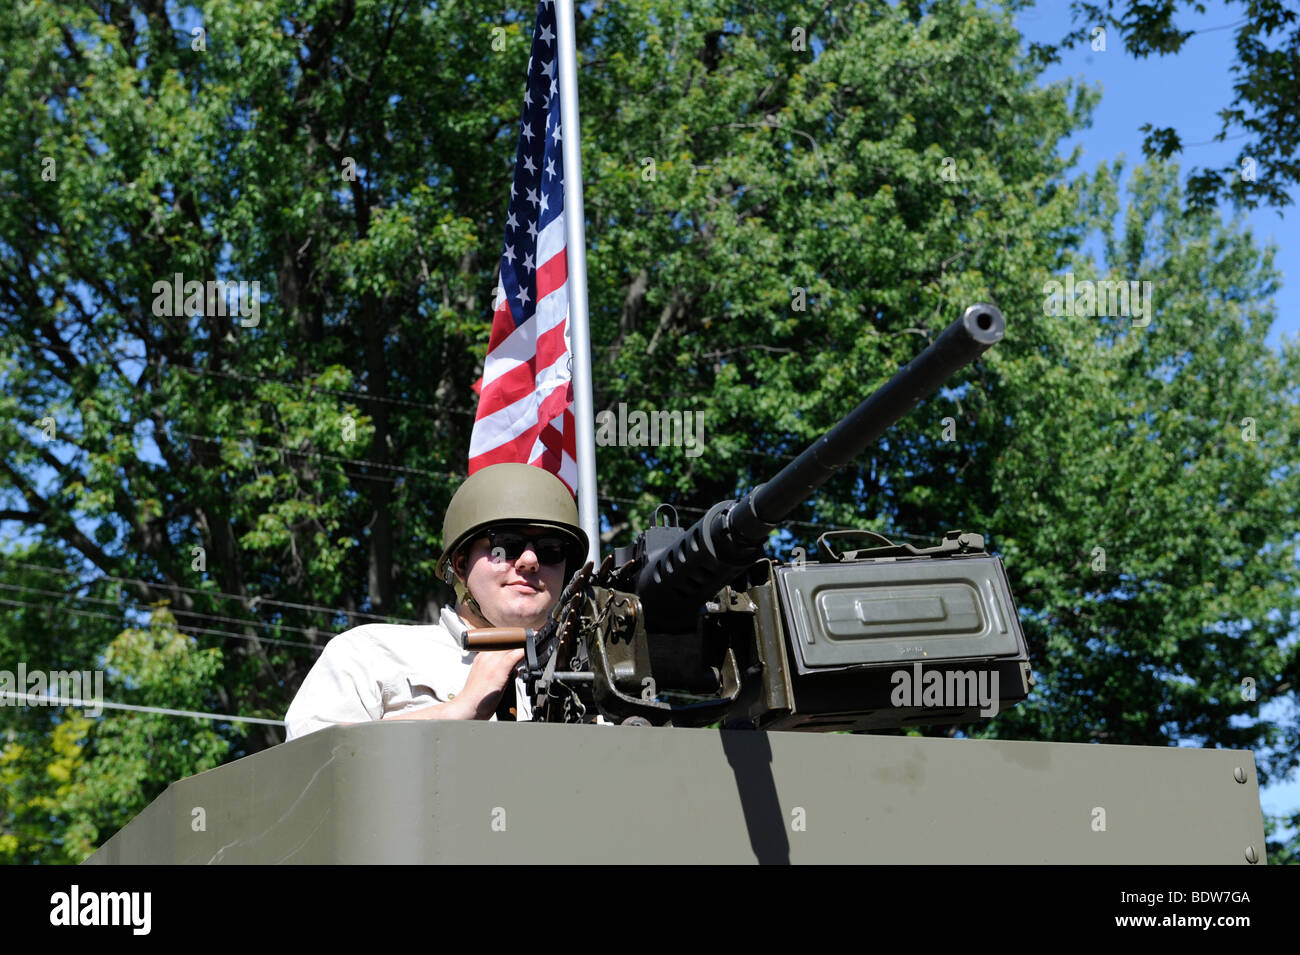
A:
[697,626]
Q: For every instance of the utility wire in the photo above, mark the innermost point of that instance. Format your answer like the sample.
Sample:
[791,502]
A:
[187,628]
[450,475]
[105,704]
[144,609]
[365,396]
[335,392]
[241,438]
[204,373]
[1226,26]
[213,593]
[809,524]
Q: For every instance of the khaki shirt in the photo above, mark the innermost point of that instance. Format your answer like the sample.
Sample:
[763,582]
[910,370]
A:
[372,671]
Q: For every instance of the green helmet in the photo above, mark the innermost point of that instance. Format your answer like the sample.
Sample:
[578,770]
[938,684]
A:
[508,494]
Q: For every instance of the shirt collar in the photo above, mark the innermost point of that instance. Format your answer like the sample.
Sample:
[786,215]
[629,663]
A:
[456,625]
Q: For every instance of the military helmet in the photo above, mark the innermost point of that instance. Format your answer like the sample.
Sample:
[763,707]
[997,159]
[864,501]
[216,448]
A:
[508,494]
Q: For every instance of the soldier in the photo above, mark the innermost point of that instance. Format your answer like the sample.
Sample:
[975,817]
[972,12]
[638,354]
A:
[512,541]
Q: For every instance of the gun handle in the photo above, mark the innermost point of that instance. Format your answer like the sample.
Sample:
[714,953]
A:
[495,638]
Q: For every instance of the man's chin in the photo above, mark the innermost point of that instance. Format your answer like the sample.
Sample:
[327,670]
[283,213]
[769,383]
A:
[529,613]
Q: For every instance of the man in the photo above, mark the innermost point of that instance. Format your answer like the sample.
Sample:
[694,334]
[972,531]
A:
[512,541]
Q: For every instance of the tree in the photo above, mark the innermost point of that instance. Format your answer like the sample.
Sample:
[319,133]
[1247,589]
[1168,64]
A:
[40,745]
[1145,486]
[1265,94]
[783,207]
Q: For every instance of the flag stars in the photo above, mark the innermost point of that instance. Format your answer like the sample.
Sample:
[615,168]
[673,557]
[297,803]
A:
[537,153]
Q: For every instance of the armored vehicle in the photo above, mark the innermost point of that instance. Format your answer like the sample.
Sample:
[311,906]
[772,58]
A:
[689,700]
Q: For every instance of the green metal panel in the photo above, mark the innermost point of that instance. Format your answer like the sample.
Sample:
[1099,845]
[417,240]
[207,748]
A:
[457,792]
[875,611]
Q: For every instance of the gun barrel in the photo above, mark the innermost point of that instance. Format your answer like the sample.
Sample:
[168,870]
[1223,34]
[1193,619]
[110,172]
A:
[678,579]
[980,327]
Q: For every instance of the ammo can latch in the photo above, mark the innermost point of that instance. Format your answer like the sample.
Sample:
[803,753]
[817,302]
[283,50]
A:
[954,544]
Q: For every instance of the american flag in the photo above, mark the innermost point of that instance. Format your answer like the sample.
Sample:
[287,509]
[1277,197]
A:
[525,409]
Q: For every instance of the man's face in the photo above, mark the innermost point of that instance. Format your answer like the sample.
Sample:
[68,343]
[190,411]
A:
[512,593]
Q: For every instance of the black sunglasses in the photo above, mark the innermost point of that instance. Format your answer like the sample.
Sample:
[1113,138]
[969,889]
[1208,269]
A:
[509,543]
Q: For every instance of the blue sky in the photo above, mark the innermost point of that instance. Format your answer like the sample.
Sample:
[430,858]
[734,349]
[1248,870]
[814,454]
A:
[1186,91]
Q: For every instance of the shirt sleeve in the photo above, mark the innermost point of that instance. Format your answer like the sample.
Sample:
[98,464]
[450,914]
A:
[338,689]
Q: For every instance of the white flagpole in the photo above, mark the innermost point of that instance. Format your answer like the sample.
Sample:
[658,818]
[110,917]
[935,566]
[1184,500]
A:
[576,247]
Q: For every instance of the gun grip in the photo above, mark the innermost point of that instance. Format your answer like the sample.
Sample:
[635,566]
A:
[495,638]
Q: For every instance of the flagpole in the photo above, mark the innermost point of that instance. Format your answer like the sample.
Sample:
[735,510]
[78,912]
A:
[576,248]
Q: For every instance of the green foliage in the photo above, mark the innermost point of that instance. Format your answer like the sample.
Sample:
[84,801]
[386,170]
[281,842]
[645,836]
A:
[1283,833]
[68,781]
[40,746]
[1172,448]
[1265,91]
[774,228]
[129,758]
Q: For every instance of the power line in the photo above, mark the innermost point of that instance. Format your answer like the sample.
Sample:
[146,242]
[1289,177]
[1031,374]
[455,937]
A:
[212,372]
[242,438]
[1226,26]
[105,704]
[365,396]
[255,601]
[338,393]
[1225,139]
[809,524]
[342,393]
[187,628]
[175,610]
[609,499]
[605,498]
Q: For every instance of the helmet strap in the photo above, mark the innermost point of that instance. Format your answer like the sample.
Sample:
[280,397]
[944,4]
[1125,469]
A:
[463,597]
[470,604]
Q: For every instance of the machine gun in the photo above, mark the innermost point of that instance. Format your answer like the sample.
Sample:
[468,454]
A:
[697,626]
[689,627]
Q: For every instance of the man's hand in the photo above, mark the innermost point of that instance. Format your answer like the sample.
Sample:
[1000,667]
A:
[478,700]
[488,675]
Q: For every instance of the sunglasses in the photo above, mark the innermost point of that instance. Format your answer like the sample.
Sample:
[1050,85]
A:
[509,543]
